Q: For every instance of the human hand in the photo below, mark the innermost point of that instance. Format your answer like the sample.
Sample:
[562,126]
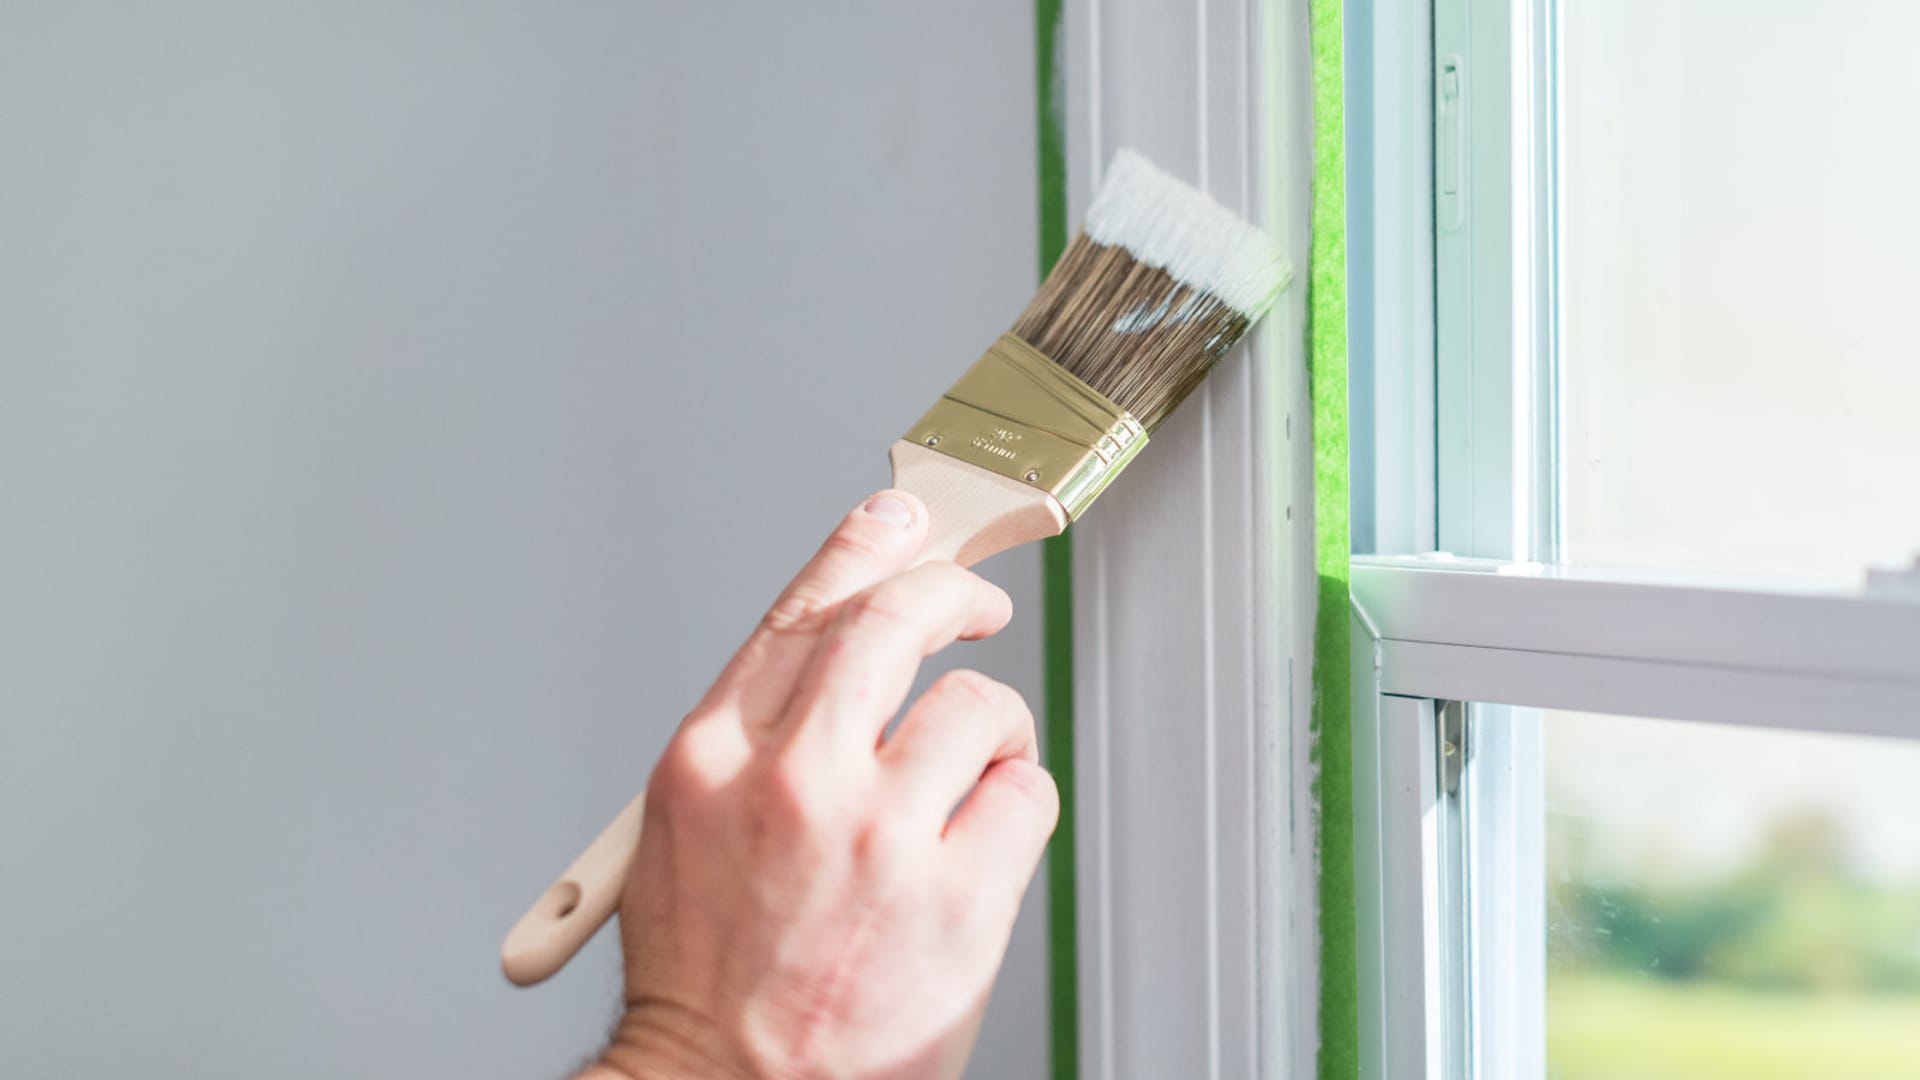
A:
[806,901]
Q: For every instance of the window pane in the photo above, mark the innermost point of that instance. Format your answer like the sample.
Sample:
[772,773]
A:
[1730,902]
[1740,230]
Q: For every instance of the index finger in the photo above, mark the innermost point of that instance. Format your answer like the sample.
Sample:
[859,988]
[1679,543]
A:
[877,539]
[864,665]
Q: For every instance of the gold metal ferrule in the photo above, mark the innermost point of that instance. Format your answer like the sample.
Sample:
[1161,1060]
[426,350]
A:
[1021,415]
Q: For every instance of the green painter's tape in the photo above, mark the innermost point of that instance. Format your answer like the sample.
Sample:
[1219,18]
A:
[1056,561]
[1056,557]
[1332,688]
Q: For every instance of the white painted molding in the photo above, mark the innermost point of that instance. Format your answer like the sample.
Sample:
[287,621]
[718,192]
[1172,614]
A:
[1194,590]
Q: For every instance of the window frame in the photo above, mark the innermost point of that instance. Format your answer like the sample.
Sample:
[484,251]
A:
[1450,887]
[1194,810]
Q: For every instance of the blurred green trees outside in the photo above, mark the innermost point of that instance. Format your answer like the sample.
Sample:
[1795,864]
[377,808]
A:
[1795,963]
[1797,917]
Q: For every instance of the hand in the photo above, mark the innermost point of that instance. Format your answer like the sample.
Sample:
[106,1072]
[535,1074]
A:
[806,900]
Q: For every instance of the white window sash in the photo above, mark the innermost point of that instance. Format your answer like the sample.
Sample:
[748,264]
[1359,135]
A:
[1497,459]
[1452,980]
[1462,628]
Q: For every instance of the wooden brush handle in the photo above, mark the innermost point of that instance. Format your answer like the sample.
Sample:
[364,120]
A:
[975,514]
[577,905]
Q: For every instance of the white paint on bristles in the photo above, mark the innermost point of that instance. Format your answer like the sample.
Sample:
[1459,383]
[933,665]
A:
[1168,225]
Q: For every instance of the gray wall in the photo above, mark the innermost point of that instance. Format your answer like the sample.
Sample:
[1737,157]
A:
[404,410]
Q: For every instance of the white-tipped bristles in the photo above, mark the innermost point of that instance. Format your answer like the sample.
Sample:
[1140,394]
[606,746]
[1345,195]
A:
[1160,284]
[1166,224]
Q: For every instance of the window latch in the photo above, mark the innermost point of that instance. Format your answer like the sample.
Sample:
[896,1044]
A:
[1453,744]
[1449,140]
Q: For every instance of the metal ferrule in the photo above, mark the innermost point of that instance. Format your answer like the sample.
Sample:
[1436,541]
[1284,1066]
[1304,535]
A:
[1021,415]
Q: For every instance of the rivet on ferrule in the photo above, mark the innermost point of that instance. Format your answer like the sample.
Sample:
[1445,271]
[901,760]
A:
[1019,414]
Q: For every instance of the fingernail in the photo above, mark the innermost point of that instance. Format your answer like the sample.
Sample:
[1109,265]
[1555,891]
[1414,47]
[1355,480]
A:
[890,509]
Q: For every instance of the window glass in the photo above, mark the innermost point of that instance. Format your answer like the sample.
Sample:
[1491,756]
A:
[1730,902]
[1740,246]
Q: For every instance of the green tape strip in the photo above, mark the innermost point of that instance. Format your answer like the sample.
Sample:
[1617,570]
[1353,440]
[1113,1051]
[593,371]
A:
[1332,630]
[1063,955]
[1056,563]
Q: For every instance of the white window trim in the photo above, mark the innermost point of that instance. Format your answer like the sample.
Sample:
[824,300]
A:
[1194,590]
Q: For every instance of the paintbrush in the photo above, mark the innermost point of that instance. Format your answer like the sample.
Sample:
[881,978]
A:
[1154,291]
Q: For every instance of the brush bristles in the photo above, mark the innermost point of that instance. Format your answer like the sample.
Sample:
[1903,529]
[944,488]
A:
[1163,282]
[1127,329]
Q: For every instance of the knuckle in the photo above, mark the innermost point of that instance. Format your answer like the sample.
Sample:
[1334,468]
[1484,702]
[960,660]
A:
[1035,785]
[979,691]
[890,603]
[960,580]
[850,542]
[787,787]
[998,597]
[884,840]
[799,610]
[676,785]
[692,770]
[791,795]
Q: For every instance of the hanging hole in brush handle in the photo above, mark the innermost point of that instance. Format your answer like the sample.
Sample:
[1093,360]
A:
[576,906]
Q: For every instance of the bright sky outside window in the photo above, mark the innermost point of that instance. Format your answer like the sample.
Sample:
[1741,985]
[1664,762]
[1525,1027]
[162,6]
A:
[1741,367]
